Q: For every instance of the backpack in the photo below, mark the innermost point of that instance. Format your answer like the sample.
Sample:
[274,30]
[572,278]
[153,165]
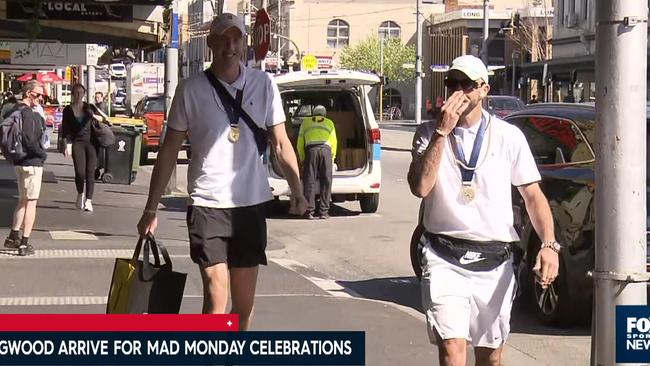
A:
[11,135]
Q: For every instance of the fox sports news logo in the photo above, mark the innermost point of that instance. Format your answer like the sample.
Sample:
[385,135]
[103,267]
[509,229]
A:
[638,333]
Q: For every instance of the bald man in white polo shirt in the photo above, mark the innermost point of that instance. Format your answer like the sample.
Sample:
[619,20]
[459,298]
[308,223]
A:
[464,165]
[227,112]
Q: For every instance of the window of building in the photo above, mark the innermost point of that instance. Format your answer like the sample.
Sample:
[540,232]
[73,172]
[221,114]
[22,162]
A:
[389,30]
[338,33]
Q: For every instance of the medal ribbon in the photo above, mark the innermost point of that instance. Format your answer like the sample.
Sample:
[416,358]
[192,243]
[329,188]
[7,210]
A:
[232,111]
[468,174]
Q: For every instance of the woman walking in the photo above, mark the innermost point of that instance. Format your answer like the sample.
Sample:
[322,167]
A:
[81,144]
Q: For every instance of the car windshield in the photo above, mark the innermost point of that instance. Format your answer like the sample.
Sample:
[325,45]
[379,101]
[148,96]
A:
[154,105]
[504,104]
[118,67]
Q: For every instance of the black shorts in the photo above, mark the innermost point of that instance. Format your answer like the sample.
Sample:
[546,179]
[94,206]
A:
[236,236]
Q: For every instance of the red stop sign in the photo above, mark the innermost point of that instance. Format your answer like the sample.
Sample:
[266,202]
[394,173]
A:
[261,34]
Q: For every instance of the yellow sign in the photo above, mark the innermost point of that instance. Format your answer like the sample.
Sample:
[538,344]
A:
[309,63]
[68,73]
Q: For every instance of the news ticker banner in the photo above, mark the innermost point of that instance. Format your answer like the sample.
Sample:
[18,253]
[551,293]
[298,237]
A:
[632,334]
[97,339]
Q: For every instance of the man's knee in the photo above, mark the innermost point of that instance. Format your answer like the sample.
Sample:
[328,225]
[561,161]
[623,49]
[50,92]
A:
[453,351]
[488,356]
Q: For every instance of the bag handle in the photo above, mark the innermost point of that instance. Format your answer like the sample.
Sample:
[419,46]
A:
[145,256]
[150,242]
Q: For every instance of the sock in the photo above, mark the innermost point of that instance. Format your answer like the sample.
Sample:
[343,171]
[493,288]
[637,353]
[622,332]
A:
[24,241]
[13,234]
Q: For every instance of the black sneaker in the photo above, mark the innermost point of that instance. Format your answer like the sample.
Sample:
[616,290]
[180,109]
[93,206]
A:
[309,216]
[12,243]
[24,250]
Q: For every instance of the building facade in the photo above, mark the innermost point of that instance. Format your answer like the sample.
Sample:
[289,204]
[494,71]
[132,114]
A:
[516,34]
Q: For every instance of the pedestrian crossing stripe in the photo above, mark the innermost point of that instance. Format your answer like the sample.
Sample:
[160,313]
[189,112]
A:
[77,253]
[53,300]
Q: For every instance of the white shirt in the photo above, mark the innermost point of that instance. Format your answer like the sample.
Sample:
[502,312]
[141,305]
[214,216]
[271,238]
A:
[505,159]
[223,174]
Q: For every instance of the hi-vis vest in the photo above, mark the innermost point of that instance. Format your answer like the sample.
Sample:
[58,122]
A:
[316,130]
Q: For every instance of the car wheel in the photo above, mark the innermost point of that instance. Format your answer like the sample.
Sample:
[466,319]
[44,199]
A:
[415,253]
[107,178]
[552,305]
[369,202]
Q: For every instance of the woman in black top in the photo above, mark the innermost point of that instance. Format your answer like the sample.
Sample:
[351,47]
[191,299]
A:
[81,144]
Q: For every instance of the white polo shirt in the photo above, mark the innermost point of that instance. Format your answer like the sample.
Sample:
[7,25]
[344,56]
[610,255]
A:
[223,174]
[505,160]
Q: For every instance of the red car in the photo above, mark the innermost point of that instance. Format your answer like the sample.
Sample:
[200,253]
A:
[152,110]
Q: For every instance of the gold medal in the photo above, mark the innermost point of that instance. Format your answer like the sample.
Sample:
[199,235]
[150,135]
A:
[233,135]
[468,193]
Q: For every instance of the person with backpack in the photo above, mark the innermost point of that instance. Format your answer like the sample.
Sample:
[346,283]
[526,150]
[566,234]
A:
[22,144]
[81,144]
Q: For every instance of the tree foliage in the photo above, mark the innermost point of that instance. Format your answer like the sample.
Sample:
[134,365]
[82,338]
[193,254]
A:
[365,56]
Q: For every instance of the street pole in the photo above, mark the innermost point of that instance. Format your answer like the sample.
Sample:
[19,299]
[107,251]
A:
[486,31]
[418,65]
[263,61]
[620,270]
[90,84]
[277,68]
[381,72]
[171,80]
[513,73]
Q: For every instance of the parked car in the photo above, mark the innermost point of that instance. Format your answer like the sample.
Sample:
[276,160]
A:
[503,105]
[345,95]
[152,110]
[117,70]
[561,138]
[119,105]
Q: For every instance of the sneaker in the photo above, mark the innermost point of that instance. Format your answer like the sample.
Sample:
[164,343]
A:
[12,243]
[309,216]
[88,206]
[324,216]
[24,250]
[80,201]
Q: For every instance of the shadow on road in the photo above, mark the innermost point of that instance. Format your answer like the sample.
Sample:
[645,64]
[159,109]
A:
[279,209]
[174,204]
[403,291]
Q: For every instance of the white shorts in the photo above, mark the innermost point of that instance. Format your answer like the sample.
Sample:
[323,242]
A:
[465,304]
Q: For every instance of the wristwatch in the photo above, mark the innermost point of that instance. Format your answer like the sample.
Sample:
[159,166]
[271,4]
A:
[552,244]
[441,133]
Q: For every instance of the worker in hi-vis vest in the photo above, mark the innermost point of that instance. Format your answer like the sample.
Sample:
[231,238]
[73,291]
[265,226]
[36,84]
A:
[317,151]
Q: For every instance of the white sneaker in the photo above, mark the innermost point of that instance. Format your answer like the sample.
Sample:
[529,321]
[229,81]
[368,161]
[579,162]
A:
[80,201]
[88,206]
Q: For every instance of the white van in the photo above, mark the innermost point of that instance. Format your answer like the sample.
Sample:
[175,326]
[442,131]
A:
[345,95]
[118,70]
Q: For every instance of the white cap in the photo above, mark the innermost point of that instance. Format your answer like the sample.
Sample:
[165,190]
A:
[319,110]
[226,21]
[471,66]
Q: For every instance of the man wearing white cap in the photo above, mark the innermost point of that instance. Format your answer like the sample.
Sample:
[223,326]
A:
[463,167]
[228,111]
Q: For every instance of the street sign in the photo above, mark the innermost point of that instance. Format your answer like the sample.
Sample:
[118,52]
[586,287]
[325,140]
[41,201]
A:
[261,34]
[309,63]
[408,66]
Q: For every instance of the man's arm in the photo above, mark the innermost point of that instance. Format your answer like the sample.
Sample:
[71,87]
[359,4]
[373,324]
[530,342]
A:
[423,171]
[286,157]
[165,163]
[542,219]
